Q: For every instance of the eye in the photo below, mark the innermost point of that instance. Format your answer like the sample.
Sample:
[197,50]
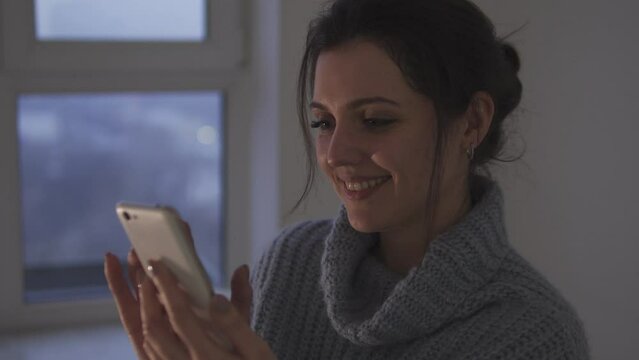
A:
[323,123]
[377,122]
[319,124]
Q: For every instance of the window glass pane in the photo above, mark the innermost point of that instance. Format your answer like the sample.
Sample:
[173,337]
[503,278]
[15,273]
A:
[82,153]
[120,20]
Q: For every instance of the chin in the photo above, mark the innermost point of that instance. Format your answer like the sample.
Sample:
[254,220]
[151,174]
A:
[363,223]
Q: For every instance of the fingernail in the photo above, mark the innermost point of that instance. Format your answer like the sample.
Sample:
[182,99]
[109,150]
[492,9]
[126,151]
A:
[220,304]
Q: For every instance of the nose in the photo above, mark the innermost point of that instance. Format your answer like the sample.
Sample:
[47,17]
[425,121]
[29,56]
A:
[345,148]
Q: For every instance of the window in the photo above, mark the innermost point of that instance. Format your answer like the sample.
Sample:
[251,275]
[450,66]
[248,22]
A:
[47,40]
[94,115]
[82,153]
[120,20]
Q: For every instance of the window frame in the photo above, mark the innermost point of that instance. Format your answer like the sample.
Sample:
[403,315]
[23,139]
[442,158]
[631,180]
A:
[221,49]
[183,74]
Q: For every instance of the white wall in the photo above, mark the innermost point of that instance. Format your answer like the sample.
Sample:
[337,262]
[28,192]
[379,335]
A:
[573,212]
[322,202]
[571,202]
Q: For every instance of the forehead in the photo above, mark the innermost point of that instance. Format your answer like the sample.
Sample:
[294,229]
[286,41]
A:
[358,69]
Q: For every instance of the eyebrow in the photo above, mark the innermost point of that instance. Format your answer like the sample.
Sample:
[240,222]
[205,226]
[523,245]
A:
[358,103]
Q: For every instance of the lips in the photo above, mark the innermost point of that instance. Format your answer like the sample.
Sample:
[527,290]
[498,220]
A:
[361,188]
[364,184]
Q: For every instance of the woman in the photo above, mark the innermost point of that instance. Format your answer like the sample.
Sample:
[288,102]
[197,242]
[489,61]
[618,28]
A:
[407,98]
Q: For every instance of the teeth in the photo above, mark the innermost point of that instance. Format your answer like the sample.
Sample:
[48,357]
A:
[356,186]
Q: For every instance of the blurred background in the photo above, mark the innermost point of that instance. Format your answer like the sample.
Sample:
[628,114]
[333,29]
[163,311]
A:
[192,103]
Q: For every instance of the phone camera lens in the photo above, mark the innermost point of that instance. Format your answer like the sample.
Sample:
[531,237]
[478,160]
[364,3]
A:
[126,215]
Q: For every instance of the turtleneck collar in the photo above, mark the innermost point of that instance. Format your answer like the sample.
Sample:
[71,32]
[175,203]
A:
[369,305]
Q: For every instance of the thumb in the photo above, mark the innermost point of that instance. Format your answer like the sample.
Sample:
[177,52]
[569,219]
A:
[241,292]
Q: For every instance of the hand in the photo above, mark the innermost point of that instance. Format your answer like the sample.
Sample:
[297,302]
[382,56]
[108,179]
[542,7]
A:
[127,304]
[162,325]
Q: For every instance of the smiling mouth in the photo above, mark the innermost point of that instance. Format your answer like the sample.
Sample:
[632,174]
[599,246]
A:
[357,186]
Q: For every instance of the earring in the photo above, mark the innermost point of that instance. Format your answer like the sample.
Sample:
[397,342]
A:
[470,152]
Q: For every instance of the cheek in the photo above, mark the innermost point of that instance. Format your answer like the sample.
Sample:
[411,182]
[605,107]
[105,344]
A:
[321,149]
[409,160]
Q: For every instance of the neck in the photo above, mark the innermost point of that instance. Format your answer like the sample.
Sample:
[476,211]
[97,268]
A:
[402,248]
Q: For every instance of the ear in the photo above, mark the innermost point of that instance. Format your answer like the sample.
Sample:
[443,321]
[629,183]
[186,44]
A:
[477,119]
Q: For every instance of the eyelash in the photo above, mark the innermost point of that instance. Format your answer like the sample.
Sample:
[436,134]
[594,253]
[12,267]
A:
[372,123]
[378,122]
[323,124]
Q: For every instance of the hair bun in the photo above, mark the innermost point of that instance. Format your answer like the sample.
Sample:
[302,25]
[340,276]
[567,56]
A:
[511,56]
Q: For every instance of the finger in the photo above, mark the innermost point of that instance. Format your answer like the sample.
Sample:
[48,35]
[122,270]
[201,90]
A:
[183,320]
[127,306]
[241,292]
[246,343]
[156,327]
[135,271]
[202,342]
[150,352]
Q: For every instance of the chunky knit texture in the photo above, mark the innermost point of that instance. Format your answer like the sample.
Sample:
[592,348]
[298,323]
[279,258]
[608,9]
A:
[319,293]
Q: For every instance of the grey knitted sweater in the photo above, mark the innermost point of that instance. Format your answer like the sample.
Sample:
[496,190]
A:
[319,293]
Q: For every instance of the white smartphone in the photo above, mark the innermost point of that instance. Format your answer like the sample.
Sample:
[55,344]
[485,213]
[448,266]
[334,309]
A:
[156,232]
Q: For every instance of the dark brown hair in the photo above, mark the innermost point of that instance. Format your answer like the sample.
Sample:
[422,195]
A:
[446,50]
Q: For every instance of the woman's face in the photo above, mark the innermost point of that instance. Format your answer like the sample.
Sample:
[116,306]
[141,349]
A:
[375,137]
